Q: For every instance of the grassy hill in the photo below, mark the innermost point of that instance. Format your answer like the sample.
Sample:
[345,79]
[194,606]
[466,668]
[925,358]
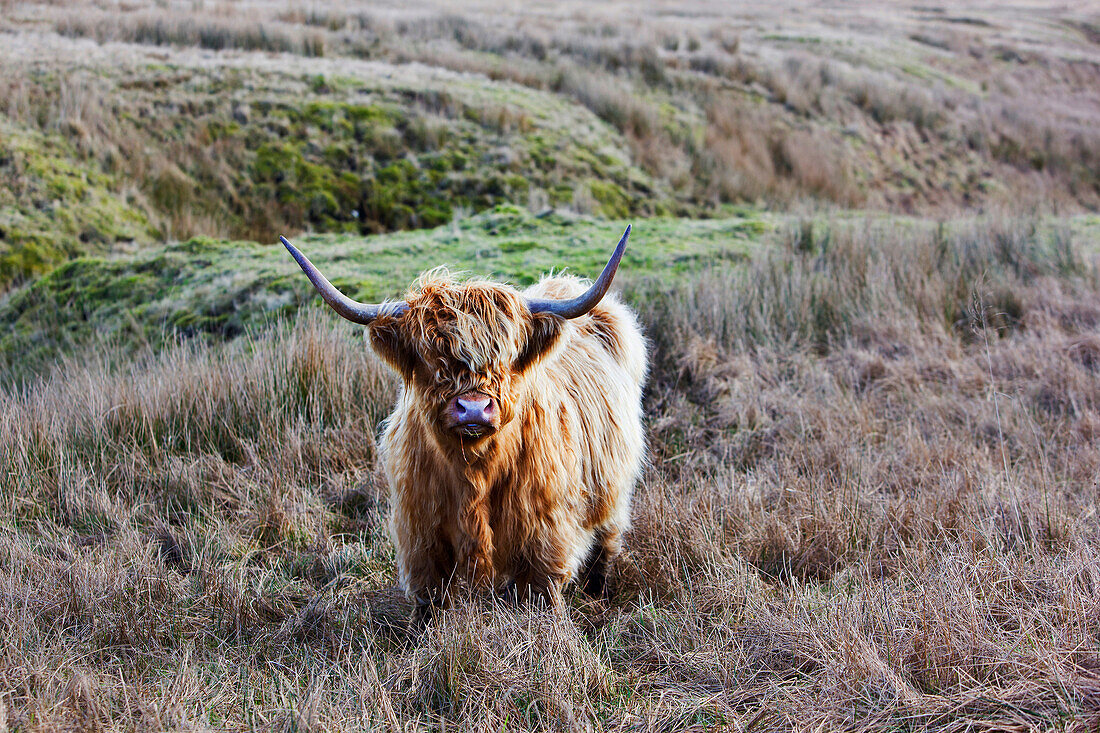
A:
[912,108]
[206,287]
[165,151]
[160,125]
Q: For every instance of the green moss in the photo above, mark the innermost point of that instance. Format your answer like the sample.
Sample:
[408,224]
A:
[613,201]
[309,191]
[561,194]
[219,129]
[517,186]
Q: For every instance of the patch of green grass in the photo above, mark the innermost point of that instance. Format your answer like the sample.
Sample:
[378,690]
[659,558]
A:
[784,38]
[217,289]
[613,200]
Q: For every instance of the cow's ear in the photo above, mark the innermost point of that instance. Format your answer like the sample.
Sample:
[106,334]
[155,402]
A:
[546,330]
[387,339]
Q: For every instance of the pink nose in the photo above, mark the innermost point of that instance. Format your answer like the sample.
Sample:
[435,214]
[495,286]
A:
[474,409]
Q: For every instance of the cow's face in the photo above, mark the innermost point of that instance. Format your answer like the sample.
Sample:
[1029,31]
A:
[465,350]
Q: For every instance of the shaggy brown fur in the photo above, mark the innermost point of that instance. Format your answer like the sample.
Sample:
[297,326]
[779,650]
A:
[550,489]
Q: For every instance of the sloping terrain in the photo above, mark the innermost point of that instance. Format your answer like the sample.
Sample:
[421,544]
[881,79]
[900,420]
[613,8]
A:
[206,287]
[908,107]
[172,144]
[54,206]
[236,119]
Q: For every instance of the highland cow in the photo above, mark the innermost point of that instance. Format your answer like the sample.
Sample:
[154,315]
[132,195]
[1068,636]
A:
[517,437]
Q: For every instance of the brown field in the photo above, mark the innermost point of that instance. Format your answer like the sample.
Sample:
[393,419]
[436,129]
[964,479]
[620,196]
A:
[871,498]
[871,504]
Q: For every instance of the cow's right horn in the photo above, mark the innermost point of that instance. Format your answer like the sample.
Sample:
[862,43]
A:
[586,301]
[350,309]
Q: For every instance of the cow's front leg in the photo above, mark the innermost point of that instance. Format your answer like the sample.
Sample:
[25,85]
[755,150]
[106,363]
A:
[425,556]
[541,585]
[542,572]
[475,549]
[426,568]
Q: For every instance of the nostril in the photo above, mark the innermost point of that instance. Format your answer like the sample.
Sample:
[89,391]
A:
[474,409]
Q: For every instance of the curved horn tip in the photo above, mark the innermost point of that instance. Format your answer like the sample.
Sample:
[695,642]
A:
[294,251]
[622,241]
[578,306]
[361,313]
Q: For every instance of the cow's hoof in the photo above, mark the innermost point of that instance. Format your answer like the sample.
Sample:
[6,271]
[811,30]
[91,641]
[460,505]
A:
[423,614]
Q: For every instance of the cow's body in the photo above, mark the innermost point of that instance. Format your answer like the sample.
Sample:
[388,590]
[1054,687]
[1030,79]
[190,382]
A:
[550,490]
[517,439]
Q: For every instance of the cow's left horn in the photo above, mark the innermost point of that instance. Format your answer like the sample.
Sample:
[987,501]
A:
[350,309]
[585,302]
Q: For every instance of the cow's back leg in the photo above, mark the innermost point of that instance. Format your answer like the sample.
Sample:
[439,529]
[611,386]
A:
[593,575]
[609,524]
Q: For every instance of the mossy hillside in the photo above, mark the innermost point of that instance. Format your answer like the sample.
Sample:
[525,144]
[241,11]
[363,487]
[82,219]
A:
[54,206]
[368,159]
[201,286]
[509,244]
[207,288]
[242,153]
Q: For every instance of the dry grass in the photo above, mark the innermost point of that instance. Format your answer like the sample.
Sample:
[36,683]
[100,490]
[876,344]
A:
[870,505]
[910,108]
[161,28]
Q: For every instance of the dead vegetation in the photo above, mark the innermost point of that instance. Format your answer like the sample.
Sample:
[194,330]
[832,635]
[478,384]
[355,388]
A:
[905,108]
[870,505]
